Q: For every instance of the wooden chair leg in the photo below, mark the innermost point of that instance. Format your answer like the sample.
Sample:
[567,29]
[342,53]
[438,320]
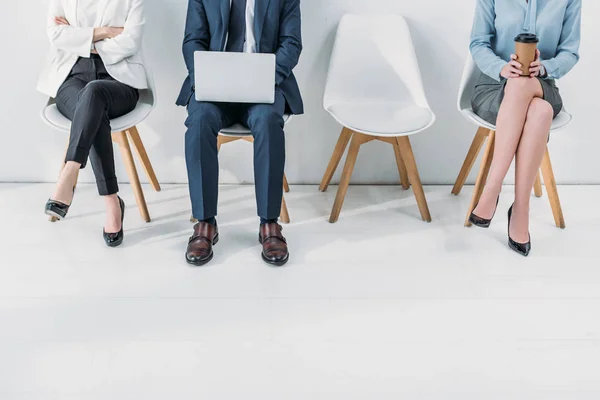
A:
[401,166]
[484,170]
[552,191]
[338,152]
[537,187]
[138,145]
[285,215]
[221,140]
[121,139]
[286,185]
[474,150]
[413,174]
[357,140]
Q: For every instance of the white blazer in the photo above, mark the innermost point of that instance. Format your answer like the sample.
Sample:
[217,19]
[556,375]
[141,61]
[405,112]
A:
[121,55]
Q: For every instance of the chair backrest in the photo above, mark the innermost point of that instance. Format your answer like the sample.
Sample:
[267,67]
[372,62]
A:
[374,60]
[148,96]
[467,86]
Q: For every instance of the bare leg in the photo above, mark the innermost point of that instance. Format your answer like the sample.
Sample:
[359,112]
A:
[66,182]
[518,94]
[113,214]
[529,158]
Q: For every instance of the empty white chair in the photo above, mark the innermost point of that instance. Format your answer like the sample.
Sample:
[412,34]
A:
[374,90]
[241,132]
[122,128]
[487,130]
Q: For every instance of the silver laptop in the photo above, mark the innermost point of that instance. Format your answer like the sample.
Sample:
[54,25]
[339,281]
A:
[235,77]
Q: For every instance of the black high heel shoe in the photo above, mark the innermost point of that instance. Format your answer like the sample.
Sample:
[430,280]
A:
[116,239]
[521,248]
[482,222]
[57,209]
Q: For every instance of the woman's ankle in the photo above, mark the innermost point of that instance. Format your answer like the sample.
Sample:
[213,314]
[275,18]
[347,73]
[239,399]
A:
[493,189]
[69,174]
[113,213]
[111,199]
[521,207]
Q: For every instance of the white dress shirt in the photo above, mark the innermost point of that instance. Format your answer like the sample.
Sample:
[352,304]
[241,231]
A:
[87,13]
[250,43]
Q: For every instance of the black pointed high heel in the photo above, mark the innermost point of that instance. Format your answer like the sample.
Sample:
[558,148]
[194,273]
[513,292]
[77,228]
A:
[482,222]
[57,209]
[521,248]
[116,239]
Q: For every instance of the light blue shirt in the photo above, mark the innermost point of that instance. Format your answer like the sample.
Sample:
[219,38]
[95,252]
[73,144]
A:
[557,23]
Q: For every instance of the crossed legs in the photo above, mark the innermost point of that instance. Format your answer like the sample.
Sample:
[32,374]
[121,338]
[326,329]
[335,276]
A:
[522,130]
[90,105]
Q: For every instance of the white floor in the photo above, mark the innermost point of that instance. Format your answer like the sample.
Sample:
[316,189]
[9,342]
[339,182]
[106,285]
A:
[378,306]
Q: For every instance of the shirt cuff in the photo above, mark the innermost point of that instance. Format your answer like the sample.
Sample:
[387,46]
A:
[551,68]
[85,40]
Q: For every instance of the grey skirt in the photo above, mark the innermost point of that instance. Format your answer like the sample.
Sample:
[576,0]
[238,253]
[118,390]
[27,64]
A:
[489,93]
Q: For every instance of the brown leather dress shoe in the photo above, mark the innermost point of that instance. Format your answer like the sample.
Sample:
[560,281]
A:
[199,250]
[275,249]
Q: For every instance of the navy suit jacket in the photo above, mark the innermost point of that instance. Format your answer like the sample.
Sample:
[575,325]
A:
[277,28]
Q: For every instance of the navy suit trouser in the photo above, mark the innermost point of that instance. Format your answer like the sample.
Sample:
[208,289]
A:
[265,121]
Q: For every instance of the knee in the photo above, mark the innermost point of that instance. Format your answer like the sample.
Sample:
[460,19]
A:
[204,119]
[92,90]
[265,120]
[520,87]
[540,110]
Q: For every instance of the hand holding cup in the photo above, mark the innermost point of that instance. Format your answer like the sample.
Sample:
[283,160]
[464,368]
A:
[512,69]
[535,69]
[526,51]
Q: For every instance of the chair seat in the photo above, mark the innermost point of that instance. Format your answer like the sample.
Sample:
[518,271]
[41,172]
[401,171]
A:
[142,110]
[562,119]
[241,130]
[383,119]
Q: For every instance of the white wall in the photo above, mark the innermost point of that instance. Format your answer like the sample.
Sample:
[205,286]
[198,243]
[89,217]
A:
[32,152]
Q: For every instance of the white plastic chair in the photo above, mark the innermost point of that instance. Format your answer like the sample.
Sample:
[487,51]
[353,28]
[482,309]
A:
[374,90]
[122,128]
[240,132]
[486,130]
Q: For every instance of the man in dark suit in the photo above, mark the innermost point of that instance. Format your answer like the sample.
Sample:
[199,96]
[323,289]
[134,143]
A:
[252,26]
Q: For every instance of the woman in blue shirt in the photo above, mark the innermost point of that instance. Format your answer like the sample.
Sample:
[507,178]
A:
[522,108]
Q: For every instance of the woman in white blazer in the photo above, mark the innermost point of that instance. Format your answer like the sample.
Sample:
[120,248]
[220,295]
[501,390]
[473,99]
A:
[94,72]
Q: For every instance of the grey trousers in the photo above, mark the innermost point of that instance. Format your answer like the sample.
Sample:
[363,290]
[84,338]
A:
[90,98]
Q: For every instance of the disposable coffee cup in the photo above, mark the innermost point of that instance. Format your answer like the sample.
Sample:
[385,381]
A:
[525,49]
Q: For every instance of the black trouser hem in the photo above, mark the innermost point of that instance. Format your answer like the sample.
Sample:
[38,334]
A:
[78,154]
[108,187]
